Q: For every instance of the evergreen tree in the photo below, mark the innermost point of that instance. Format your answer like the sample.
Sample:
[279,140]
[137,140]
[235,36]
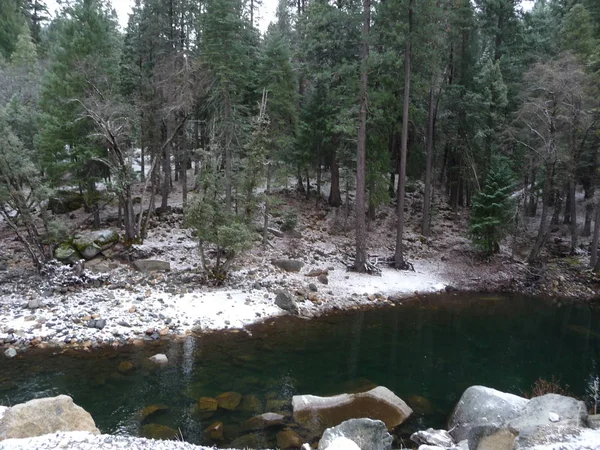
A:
[492,211]
[83,63]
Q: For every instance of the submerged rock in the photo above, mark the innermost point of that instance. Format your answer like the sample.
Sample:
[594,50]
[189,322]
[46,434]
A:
[251,403]
[157,431]
[44,416]
[207,404]
[229,400]
[215,431]
[263,421]
[160,359]
[152,411]
[367,434]
[288,438]
[319,413]
[125,367]
[10,352]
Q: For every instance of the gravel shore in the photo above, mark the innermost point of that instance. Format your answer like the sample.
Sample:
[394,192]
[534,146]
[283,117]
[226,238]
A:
[79,440]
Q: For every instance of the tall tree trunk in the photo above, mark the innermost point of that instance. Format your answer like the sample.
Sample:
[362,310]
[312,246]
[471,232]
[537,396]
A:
[266,213]
[166,169]
[587,225]
[594,251]
[425,228]
[360,262]
[335,197]
[543,228]
[399,262]
[573,213]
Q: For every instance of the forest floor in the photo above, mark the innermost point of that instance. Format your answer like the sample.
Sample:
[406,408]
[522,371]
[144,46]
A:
[112,304]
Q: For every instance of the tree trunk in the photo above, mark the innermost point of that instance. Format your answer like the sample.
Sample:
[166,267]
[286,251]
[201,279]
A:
[425,227]
[587,226]
[399,262]
[543,229]
[166,182]
[360,261]
[573,214]
[594,251]
[266,214]
[335,197]
[557,207]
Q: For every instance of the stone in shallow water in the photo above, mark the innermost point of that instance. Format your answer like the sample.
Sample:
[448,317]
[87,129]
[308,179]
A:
[251,403]
[215,431]
[288,438]
[319,413]
[157,431]
[229,400]
[10,352]
[125,367]
[152,411]
[207,404]
[263,421]
[160,359]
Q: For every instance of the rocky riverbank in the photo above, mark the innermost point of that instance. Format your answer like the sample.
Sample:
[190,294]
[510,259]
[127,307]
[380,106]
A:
[483,419]
[147,292]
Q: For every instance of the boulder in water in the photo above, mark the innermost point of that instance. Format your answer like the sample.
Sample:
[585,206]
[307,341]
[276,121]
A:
[229,400]
[319,413]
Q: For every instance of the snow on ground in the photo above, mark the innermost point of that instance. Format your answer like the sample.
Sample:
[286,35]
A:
[79,440]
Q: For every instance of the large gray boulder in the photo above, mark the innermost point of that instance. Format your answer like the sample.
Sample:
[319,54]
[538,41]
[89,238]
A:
[319,413]
[367,434]
[288,265]
[151,265]
[559,437]
[44,416]
[550,409]
[90,243]
[480,405]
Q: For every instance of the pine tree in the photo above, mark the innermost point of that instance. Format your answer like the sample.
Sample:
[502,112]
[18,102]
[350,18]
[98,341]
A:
[492,210]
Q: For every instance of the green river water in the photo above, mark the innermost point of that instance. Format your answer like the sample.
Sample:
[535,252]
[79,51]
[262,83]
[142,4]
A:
[428,351]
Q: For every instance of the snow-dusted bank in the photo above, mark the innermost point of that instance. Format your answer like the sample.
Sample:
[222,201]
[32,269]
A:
[125,306]
[80,440]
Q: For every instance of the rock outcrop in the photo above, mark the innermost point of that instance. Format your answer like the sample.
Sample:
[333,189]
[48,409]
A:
[319,413]
[44,416]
